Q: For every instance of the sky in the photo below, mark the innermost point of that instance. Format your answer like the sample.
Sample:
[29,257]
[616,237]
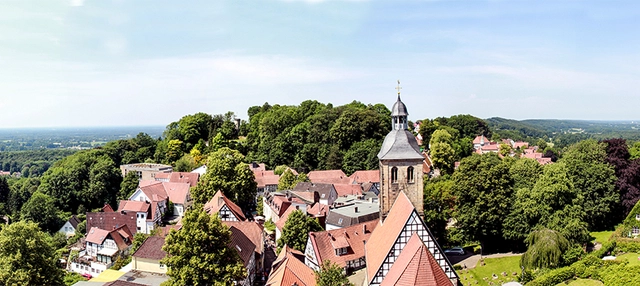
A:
[140,63]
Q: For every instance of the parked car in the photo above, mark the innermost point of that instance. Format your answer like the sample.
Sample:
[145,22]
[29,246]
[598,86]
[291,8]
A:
[454,251]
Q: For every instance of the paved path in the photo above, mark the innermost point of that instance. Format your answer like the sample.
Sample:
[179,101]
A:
[471,261]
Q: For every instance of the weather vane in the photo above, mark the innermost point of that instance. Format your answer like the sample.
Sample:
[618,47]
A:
[398,88]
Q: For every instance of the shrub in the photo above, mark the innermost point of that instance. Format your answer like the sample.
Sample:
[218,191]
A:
[628,246]
[607,247]
[457,267]
[553,277]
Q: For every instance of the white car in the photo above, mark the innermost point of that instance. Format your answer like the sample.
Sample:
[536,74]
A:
[454,251]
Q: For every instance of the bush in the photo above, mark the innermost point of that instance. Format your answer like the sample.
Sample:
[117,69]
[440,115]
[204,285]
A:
[477,249]
[553,277]
[606,249]
[628,246]
[572,255]
[121,262]
[457,267]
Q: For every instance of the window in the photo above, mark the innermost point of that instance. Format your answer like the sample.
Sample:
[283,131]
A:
[340,221]
[636,230]
[161,266]
[638,217]
[394,175]
[341,251]
[410,175]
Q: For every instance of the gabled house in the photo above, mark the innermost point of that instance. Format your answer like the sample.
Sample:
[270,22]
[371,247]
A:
[363,177]
[344,247]
[386,247]
[319,212]
[155,194]
[103,247]
[348,189]
[227,210]
[254,233]
[288,270]
[246,251]
[326,191]
[144,220]
[266,181]
[276,204]
[179,194]
[69,228]
[147,257]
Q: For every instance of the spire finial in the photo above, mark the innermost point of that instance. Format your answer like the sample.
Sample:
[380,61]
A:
[398,88]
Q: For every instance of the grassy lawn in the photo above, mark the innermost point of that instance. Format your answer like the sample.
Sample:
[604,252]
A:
[582,282]
[601,236]
[492,266]
[631,257]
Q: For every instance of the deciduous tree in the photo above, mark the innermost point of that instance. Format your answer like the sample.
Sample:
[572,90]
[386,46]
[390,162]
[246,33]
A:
[296,230]
[331,274]
[27,257]
[198,253]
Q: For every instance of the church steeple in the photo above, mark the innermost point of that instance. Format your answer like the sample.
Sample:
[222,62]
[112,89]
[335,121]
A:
[399,113]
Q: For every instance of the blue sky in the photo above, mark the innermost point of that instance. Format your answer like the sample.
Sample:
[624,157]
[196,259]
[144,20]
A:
[117,63]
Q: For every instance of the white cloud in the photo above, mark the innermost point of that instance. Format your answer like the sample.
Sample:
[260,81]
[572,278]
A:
[76,3]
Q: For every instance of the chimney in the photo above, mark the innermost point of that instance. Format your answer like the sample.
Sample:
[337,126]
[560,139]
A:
[356,209]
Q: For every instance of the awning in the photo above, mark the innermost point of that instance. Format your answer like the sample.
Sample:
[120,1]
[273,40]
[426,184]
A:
[107,251]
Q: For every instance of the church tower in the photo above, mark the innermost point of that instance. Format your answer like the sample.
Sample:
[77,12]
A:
[400,163]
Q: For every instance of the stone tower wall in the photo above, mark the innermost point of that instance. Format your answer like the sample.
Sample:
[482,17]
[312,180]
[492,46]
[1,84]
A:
[389,191]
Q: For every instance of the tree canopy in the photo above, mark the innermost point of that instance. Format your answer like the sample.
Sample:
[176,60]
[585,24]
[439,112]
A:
[296,230]
[27,256]
[331,274]
[198,253]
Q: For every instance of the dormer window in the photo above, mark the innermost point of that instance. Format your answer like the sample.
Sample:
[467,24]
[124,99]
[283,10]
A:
[341,251]
[394,175]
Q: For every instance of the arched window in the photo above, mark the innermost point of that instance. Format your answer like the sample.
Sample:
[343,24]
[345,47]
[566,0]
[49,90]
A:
[410,175]
[394,175]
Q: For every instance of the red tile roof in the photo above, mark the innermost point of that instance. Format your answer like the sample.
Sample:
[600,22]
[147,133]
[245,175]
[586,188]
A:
[317,210]
[345,190]
[242,244]
[218,201]
[361,177]
[107,208]
[252,230]
[111,220]
[288,270]
[177,192]
[135,206]
[184,177]
[325,242]
[96,235]
[283,218]
[416,266]
[266,178]
[151,248]
[386,233]
[155,192]
[121,236]
[480,139]
[279,204]
[329,177]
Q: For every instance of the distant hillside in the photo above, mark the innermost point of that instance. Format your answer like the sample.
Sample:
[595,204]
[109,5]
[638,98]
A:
[563,132]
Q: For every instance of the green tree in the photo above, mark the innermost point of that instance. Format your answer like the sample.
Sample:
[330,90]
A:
[545,249]
[362,155]
[27,257]
[128,186]
[505,149]
[174,150]
[634,151]
[198,253]
[331,274]
[296,230]
[483,188]
[594,180]
[227,172]
[5,192]
[287,181]
[42,210]
[442,154]
[439,203]
[525,172]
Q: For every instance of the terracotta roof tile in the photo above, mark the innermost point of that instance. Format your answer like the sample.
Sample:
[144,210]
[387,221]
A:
[329,177]
[242,244]
[325,242]
[151,248]
[317,210]
[111,220]
[135,206]
[155,192]
[361,177]
[348,189]
[283,218]
[177,192]
[184,177]
[288,270]
[252,230]
[416,266]
[266,178]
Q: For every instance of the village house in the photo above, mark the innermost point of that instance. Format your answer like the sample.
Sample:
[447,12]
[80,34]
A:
[147,257]
[109,220]
[103,247]
[226,209]
[344,247]
[329,177]
[352,213]
[326,191]
[178,177]
[145,221]
[248,240]
[288,269]
[70,226]
[363,177]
